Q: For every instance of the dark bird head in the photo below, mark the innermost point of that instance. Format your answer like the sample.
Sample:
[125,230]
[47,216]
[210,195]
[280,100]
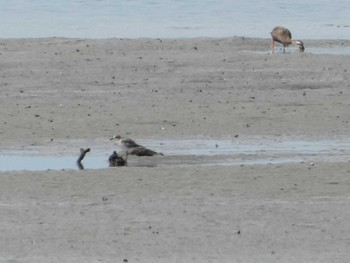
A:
[113,156]
[116,137]
[300,45]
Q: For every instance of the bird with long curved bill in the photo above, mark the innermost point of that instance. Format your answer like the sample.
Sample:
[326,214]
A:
[282,35]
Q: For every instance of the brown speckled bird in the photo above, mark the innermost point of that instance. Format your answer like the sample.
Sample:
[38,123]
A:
[282,35]
[132,148]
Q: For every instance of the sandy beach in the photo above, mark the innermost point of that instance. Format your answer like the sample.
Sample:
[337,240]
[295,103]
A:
[56,92]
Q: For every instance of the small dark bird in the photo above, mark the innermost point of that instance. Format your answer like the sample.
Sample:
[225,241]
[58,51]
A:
[282,35]
[131,147]
[116,160]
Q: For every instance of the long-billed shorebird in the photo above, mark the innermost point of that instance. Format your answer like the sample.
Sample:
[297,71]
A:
[282,35]
[132,148]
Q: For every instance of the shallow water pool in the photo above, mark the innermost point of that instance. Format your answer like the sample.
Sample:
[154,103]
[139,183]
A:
[180,153]
[336,50]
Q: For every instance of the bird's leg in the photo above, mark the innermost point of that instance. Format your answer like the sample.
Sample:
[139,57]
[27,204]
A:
[273,46]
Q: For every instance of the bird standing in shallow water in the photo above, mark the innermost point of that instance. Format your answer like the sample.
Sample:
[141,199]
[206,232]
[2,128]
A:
[132,148]
[282,35]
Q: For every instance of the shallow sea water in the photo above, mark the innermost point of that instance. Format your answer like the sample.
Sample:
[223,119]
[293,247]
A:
[307,19]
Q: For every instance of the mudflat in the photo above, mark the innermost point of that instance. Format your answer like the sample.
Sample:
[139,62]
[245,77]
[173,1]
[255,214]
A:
[55,91]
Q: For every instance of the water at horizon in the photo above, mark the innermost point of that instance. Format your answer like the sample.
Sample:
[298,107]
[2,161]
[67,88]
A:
[307,19]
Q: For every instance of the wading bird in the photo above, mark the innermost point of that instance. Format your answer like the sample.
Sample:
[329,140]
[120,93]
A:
[282,35]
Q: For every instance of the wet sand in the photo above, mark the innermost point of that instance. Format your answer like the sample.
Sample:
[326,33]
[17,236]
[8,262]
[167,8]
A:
[55,91]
